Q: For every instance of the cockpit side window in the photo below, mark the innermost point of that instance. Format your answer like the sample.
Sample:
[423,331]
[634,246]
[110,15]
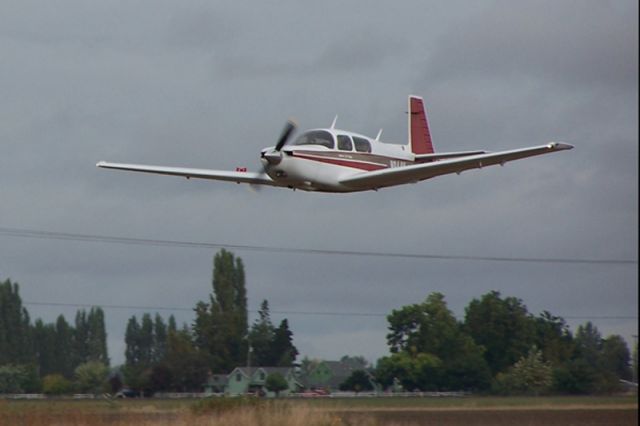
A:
[315,137]
[362,145]
[344,143]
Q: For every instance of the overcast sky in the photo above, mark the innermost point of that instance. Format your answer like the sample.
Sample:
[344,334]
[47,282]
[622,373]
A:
[208,84]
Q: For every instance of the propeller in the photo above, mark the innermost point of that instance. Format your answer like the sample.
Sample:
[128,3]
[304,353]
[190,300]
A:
[286,134]
[274,156]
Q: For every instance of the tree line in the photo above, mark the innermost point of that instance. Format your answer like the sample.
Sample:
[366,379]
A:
[161,357]
[58,352]
[499,347]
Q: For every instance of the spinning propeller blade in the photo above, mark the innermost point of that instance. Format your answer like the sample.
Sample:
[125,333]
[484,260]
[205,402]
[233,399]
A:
[286,134]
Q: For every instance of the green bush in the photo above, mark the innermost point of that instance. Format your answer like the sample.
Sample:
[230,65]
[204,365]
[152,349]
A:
[56,384]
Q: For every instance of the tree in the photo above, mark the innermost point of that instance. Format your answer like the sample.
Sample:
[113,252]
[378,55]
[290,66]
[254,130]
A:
[81,338]
[589,344]
[143,350]
[132,351]
[530,375]
[276,383]
[596,366]
[56,384]
[15,330]
[146,340]
[503,326]
[615,357]
[221,326]
[261,338]
[63,361]
[135,370]
[358,381]
[91,377]
[97,337]
[12,378]
[161,377]
[44,337]
[430,328]
[283,350]
[553,338]
[415,371]
[159,339]
[187,364]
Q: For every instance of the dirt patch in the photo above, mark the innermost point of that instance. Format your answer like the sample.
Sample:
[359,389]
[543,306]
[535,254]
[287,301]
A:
[494,417]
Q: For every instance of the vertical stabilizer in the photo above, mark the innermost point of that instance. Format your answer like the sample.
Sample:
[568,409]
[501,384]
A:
[419,136]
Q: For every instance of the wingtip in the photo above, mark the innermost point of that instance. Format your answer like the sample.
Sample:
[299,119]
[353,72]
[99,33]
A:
[559,146]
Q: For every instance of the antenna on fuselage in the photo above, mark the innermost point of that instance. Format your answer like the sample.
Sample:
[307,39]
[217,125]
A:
[333,124]
[379,134]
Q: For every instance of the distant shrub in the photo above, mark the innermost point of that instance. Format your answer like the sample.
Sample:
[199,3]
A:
[56,384]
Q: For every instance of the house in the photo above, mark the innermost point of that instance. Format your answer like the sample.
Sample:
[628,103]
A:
[329,375]
[243,380]
[216,383]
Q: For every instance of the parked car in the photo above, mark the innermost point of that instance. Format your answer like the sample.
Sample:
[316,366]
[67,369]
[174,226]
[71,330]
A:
[127,393]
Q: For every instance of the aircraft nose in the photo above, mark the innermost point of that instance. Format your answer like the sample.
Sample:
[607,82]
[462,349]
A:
[273,157]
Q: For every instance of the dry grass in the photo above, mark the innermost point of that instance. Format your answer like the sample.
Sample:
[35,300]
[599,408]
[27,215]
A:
[353,412]
[68,413]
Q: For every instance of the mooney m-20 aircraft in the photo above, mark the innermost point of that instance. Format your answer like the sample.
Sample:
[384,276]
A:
[333,160]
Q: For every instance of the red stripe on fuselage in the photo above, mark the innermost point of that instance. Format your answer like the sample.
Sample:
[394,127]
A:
[352,163]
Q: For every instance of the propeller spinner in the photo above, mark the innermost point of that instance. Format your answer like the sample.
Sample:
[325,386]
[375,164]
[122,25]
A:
[274,156]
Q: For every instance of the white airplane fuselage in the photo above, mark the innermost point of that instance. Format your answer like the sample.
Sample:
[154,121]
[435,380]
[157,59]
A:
[319,168]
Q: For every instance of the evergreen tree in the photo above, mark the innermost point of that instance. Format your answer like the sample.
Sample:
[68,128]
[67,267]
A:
[146,340]
[616,358]
[44,337]
[97,337]
[132,341]
[589,344]
[63,360]
[159,339]
[283,349]
[221,326]
[81,338]
[15,330]
[171,324]
[261,339]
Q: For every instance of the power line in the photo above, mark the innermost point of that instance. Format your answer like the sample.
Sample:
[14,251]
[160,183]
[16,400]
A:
[309,313]
[48,235]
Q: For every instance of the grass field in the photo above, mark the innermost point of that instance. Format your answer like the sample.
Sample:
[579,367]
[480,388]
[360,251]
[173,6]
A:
[466,411]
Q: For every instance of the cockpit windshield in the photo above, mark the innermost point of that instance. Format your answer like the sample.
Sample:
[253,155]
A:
[315,137]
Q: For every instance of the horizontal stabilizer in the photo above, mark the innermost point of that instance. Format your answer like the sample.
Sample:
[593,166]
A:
[444,155]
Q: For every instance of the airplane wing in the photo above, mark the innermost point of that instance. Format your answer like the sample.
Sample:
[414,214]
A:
[237,176]
[418,172]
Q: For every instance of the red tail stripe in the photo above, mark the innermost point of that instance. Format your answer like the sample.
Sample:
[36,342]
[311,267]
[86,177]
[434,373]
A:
[419,128]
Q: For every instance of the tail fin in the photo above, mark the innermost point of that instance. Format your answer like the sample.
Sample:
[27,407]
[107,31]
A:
[419,136]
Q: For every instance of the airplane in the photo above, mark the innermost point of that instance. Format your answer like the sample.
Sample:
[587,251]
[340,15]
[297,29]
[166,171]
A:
[340,161]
